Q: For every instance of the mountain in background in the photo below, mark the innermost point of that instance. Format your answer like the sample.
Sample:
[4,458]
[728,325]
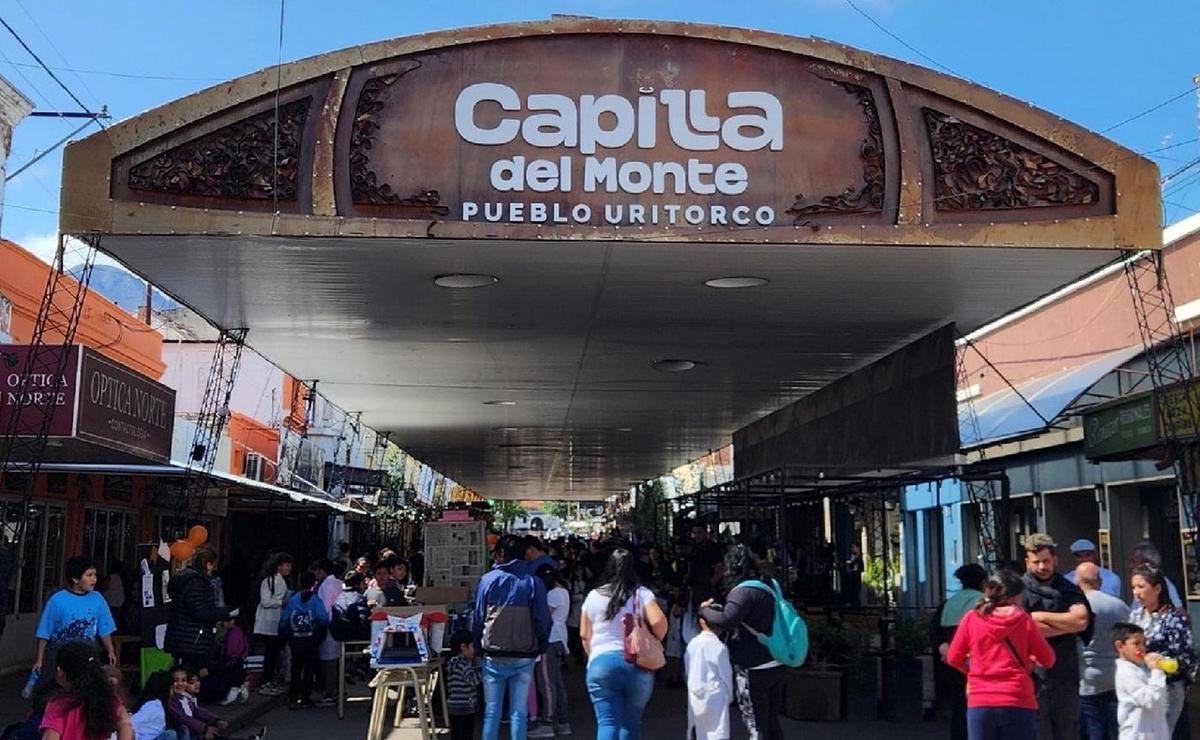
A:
[124,288]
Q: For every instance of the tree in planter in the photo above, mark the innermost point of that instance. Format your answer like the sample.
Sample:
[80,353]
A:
[814,691]
[505,512]
[903,685]
[648,515]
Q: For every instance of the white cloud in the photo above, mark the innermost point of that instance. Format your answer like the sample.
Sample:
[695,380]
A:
[45,244]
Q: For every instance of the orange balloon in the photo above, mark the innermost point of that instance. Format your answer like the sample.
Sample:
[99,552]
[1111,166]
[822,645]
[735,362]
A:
[197,535]
[182,551]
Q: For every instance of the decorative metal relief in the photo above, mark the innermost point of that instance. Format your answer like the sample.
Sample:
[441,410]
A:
[979,170]
[244,160]
[365,187]
[864,198]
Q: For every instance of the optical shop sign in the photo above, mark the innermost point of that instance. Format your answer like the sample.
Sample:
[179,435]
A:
[92,399]
[605,131]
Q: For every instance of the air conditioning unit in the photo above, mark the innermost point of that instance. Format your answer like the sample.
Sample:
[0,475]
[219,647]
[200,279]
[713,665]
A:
[256,466]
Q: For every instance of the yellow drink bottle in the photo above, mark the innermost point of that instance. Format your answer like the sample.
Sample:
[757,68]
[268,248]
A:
[1169,665]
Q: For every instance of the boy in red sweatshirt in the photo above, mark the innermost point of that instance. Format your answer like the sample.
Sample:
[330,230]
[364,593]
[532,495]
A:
[997,645]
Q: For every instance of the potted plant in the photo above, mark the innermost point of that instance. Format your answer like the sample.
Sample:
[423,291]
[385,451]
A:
[862,672]
[814,691]
[903,674]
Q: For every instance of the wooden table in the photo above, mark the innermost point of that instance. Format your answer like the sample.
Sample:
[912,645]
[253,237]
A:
[424,679]
[347,646]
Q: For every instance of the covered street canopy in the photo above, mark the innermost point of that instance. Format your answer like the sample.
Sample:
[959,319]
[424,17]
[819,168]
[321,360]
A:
[671,230]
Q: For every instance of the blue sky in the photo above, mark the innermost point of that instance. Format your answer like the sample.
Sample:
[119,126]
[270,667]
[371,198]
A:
[1096,63]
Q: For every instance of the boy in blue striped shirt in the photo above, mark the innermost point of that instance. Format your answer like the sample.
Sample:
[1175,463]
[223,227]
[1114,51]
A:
[462,686]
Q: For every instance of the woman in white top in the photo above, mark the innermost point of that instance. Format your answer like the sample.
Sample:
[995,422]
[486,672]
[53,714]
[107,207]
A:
[619,690]
[272,595]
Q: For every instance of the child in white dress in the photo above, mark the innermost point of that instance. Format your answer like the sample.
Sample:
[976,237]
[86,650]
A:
[709,685]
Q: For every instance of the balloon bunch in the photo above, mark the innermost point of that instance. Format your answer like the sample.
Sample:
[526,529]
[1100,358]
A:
[183,550]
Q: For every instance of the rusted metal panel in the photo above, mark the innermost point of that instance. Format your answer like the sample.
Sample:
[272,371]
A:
[851,424]
[863,149]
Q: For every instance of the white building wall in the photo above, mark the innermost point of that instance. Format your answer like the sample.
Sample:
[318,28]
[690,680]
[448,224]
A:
[258,392]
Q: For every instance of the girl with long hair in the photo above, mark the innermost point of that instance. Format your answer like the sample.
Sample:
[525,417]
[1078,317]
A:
[86,706]
[1167,632]
[150,719]
[619,690]
[997,645]
[272,595]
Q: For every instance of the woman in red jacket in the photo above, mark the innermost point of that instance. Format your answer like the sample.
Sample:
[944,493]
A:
[997,645]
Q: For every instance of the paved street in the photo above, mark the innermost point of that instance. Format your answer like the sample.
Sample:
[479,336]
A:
[664,720]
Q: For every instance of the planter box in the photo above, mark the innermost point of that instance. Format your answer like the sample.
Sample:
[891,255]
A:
[903,690]
[862,690]
[814,695]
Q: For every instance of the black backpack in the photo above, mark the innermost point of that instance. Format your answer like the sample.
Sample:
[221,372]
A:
[351,621]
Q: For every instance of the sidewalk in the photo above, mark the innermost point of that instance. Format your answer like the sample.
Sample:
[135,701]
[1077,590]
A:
[239,716]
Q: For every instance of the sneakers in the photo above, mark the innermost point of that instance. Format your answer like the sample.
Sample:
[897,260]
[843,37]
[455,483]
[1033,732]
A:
[244,695]
[326,701]
[234,694]
[540,730]
[272,689]
[562,728]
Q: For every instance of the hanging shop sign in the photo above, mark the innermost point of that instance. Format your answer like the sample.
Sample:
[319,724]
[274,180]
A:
[580,128]
[1179,410]
[1119,428]
[92,400]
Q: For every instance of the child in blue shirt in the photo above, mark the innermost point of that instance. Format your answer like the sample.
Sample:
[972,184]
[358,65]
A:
[74,614]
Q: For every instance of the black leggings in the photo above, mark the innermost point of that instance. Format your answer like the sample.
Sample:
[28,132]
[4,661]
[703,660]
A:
[760,698]
[272,647]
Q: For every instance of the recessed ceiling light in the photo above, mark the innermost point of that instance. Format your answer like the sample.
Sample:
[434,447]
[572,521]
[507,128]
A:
[508,429]
[674,366]
[624,429]
[736,282]
[459,340]
[465,280]
[499,403]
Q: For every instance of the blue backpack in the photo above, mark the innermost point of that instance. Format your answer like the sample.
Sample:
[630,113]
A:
[788,641]
[303,623]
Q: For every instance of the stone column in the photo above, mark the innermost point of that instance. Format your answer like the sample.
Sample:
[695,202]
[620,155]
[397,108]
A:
[13,108]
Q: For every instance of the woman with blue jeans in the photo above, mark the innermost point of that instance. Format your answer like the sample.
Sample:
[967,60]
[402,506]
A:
[619,690]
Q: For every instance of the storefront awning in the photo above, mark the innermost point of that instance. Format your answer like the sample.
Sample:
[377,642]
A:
[1035,404]
[176,468]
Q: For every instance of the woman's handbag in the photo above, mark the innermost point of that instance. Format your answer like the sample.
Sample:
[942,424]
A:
[642,648]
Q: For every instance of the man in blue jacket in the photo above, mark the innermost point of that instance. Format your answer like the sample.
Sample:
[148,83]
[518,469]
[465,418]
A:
[511,627]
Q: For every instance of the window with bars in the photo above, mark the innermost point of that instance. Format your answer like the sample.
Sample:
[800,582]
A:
[171,527]
[109,535]
[37,565]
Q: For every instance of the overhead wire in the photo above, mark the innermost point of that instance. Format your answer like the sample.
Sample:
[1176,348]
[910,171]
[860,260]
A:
[119,75]
[50,72]
[56,50]
[904,43]
[1149,110]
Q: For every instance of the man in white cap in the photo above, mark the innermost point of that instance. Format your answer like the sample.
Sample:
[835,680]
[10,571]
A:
[1085,552]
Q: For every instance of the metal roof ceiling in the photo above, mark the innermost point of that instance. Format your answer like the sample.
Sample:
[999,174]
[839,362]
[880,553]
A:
[570,331]
[1025,409]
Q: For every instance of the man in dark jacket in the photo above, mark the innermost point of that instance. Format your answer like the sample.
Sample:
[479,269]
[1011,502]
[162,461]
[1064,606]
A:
[760,678]
[511,627]
[1063,614]
[192,624]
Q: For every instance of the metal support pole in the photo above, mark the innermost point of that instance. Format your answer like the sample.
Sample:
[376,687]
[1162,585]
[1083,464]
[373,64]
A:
[1004,526]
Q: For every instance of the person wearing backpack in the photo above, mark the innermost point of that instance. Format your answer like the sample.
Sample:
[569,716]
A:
[753,614]
[304,622]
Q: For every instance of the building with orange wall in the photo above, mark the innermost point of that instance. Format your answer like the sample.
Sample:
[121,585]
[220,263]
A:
[103,325]
[102,513]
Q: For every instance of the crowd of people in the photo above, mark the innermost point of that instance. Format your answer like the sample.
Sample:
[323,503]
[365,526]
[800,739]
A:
[542,610]
[1053,657]
[1026,652]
